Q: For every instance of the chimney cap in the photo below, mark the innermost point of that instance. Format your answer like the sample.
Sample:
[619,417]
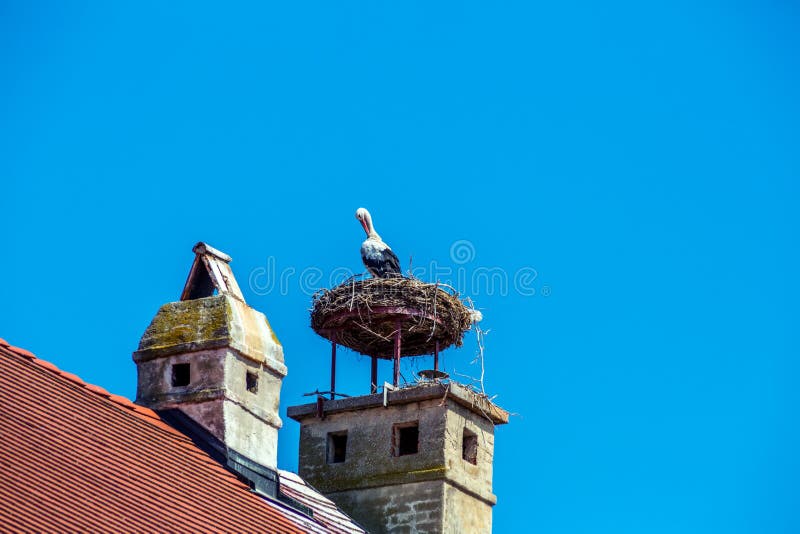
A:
[210,271]
[205,248]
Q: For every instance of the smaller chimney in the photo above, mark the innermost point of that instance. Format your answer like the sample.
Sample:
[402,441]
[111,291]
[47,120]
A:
[215,359]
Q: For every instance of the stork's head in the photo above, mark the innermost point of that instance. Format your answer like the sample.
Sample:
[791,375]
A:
[366,221]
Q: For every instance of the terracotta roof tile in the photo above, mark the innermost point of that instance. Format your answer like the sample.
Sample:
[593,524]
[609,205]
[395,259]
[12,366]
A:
[21,352]
[98,390]
[76,458]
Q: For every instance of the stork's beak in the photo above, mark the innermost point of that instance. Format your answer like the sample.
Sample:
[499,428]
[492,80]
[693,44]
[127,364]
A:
[364,226]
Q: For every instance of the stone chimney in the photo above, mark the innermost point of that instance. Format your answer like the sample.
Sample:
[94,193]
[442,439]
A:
[215,359]
[417,459]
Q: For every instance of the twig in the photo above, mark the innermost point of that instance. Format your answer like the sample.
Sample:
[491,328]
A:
[472,378]
[480,334]
[353,298]
[446,391]
[373,332]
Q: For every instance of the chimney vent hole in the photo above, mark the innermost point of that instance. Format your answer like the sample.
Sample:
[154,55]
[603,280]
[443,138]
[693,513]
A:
[405,439]
[337,447]
[251,380]
[469,447]
[180,374]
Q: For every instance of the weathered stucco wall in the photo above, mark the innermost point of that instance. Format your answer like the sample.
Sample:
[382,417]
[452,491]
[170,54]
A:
[217,397]
[369,461]
[434,506]
[206,371]
[475,477]
[407,508]
[464,513]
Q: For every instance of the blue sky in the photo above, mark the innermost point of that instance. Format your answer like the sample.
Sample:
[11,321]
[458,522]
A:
[640,158]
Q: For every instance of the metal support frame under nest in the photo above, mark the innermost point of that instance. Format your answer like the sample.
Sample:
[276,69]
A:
[373,386]
[396,355]
[373,379]
[333,367]
[397,349]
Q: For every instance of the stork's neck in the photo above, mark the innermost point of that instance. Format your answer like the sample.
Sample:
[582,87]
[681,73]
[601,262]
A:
[371,233]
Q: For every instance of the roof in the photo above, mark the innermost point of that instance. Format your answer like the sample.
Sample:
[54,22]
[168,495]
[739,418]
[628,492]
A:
[74,457]
[325,511]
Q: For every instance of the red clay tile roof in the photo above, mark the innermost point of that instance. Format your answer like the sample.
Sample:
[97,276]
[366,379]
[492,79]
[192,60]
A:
[74,457]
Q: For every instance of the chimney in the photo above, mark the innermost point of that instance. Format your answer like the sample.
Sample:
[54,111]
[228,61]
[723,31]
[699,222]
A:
[216,360]
[417,459]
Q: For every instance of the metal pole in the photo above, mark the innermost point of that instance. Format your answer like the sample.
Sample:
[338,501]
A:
[397,353]
[436,357]
[373,387]
[333,367]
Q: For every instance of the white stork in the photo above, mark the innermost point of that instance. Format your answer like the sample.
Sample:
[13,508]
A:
[378,258]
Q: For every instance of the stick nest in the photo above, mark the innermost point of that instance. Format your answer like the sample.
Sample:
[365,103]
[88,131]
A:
[363,315]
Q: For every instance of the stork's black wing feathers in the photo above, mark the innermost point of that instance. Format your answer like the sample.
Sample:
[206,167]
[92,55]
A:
[383,264]
[391,264]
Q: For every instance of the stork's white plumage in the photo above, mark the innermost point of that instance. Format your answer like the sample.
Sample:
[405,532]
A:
[378,258]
